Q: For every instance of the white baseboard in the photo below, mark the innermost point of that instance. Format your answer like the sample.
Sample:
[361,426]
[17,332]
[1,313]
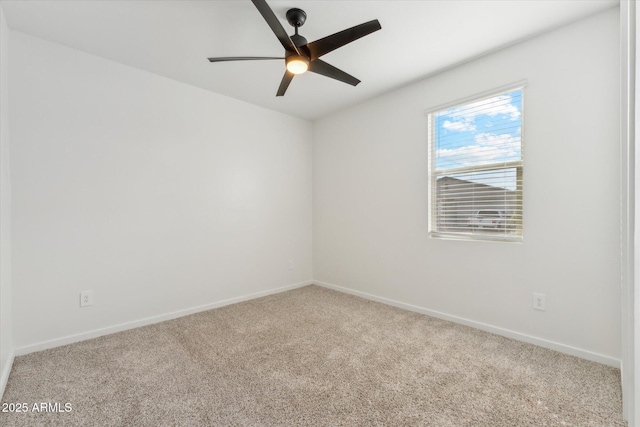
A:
[6,370]
[70,339]
[567,349]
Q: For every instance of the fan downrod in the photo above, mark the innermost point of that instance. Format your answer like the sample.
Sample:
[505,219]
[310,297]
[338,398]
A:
[296,17]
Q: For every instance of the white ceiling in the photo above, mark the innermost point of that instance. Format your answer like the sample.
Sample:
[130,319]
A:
[174,38]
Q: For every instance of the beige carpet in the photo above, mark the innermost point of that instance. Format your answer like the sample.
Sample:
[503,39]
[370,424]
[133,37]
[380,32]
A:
[311,357]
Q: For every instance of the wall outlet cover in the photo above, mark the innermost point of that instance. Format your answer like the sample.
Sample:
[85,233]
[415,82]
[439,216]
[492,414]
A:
[86,298]
[540,302]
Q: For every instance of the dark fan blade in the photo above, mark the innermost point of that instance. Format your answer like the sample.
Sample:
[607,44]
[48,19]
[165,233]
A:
[320,67]
[241,58]
[275,25]
[284,84]
[334,41]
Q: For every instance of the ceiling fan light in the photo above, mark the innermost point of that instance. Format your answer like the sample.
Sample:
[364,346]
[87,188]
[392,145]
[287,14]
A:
[297,64]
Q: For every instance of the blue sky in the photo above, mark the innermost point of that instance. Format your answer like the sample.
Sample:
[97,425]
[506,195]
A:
[479,133]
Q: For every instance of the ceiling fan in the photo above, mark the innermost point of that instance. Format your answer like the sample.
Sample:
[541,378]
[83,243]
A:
[300,56]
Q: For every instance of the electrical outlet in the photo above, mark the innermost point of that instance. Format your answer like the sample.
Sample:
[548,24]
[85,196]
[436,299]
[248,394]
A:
[86,298]
[540,302]
[290,264]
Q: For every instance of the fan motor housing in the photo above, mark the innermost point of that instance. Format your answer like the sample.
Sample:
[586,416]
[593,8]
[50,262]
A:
[296,17]
[298,40]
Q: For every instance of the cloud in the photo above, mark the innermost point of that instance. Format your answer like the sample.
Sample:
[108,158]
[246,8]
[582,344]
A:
[459,126]
[504,140]
[488,148]
[469,154]
[498,105]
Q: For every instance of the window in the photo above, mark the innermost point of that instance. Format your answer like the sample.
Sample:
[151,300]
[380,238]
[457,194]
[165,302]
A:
[475,167]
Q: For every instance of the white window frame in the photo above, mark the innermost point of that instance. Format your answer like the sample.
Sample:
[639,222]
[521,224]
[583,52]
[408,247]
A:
[433,173]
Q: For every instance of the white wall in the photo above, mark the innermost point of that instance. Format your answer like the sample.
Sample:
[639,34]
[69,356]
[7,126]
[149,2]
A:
[370,197]
[6,338]
[156,195]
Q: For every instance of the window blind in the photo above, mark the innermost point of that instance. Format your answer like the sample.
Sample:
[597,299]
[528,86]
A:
[476,168]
